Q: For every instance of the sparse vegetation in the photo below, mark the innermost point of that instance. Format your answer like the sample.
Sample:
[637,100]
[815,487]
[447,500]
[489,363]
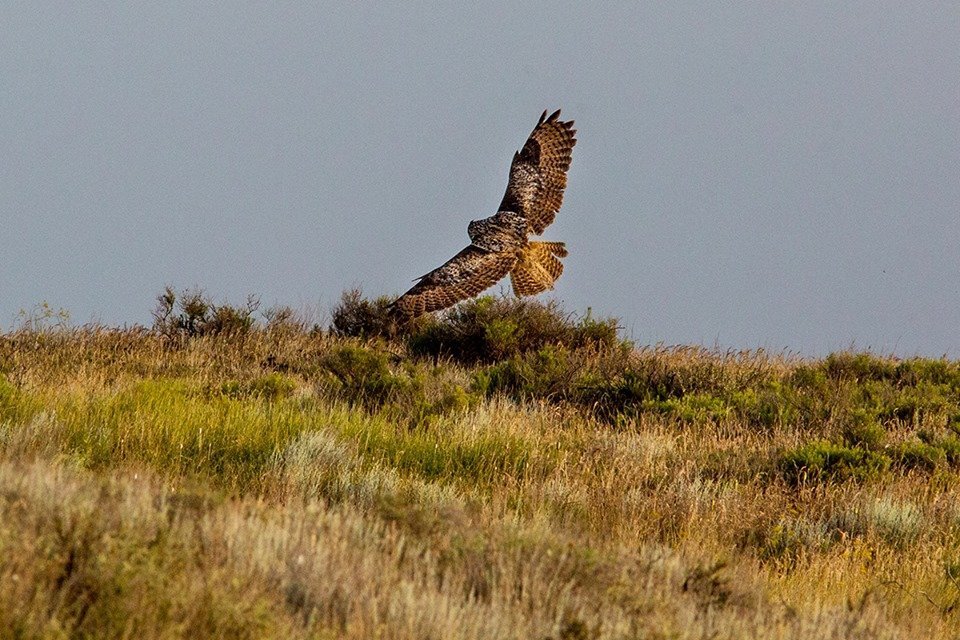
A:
[507,470]
[192,313]
[357,317]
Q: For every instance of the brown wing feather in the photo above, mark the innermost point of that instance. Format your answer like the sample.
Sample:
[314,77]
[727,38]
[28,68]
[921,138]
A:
[538,174]
[463,276]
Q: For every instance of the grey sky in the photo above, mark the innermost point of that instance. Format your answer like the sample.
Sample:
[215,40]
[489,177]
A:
[766,174]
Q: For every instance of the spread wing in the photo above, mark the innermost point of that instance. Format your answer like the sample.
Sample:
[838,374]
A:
[462,276]
[538,174]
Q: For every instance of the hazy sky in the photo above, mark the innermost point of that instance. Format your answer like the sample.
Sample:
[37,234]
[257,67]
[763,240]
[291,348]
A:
[779,175]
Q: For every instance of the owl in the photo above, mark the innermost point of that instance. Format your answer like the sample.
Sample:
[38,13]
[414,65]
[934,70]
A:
[501,244]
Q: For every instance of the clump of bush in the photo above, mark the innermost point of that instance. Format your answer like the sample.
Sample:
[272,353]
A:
[491,329]
[409,392]
[863,458]
[822,461]
[283,320]
[357,317]
[482,330]
[192,313]
[609,384]
[916,454]
[845,365]
[927,451]
[551,372]
[862,367]
[363,375]
[860,428]
[623,382]
[527,349]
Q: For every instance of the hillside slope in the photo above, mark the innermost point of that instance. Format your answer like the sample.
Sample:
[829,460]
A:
[503,472]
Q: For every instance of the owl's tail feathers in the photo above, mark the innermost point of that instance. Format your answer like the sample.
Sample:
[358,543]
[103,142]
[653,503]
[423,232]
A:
[538,268]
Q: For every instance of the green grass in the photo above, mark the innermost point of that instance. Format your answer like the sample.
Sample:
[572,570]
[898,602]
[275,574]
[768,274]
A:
[169,424]
[506,471]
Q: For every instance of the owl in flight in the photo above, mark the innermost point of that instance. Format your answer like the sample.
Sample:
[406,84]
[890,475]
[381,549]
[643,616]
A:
[500,244]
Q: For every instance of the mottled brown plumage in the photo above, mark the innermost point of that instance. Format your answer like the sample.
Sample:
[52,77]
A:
[499,244]
[496,244]
[538,174]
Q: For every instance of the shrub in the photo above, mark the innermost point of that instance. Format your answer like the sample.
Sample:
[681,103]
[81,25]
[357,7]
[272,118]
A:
[915,371]
[364,374]
[226,319]
[767,405]
[895,521]
[911,404]
[550,372]
[283,320]
[859,367]
[609,384]
[915,454]
[491,329]
[625,388]
[951,448]
[357,317]
[898,522]
[694,407]
[191,313]
[822,461]
[861,429]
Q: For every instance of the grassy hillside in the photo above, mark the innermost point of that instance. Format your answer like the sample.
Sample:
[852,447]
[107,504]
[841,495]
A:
[505,472]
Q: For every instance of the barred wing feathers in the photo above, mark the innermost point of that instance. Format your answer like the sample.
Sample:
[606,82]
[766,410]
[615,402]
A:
[538,173]
[463,276]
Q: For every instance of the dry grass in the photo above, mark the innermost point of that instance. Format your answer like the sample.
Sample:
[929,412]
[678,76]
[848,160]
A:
[280,482]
